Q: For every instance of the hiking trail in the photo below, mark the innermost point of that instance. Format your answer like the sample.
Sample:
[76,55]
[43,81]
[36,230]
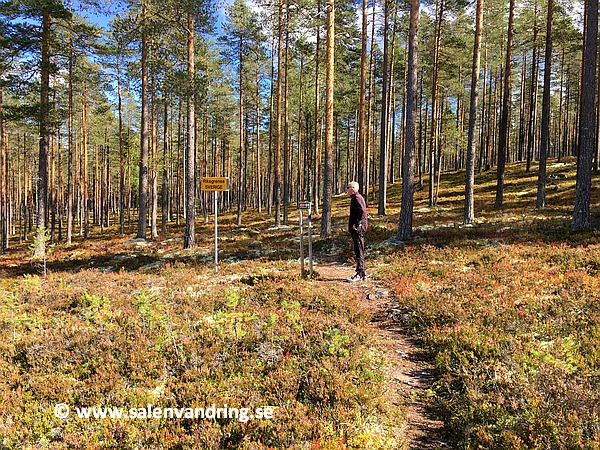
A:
[408,372]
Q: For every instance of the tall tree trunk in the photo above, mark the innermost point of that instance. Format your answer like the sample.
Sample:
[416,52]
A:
[70,145]
[165,194]
[541,193]
[370,100]
[189,239]
[391,106]
[469,214]
[85,172]
[433,140]
[129,191]
[154,164]
[97,184]
[286,121]
[361,138]
[121,151]
[597,147]
[44,127]
[259,175]
[408,165]
[241,130]
[178,175]
[504,118]
[60,191]
[52,192]
[317,153]
[567,120]
[402,136]
[581,212]
[277,156]
[270,177]
[560,127]
[144,149]
[301,160]
[107,186]
[484,115]
[383,141]
[422,135]
[4,198]
[522,110]
[329,120]
[531,127]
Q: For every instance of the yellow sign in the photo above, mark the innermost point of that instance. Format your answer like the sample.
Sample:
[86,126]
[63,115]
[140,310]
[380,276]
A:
[215,184]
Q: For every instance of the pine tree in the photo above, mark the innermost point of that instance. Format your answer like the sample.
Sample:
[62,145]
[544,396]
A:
[469,213]
[545,138]
[329,79]
[505,114]
[408,165]
[46,12]
[581,212]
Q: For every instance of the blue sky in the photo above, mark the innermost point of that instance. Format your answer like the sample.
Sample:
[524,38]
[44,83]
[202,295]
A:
[104,16]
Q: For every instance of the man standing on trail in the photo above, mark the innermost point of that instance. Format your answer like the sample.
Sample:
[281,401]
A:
[357,226]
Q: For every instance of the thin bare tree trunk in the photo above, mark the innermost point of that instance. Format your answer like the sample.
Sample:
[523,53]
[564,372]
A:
[277,156]
[70,158]
[144,150]
[361,138]
[370,101]
[541,193]
[85,173]
[383,141]
[189,239]
[469,213]
[286,123]
[165,194]
[559,140]
[121,151]
[4,200]
[241,131]
[317,155]
[531,127]
[433,141]
[153,165]
[40,249]
[259,177]
[271,110]
[301,161]
[504,118]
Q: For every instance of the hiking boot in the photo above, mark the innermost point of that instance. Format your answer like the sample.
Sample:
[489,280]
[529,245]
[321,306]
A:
[357,277]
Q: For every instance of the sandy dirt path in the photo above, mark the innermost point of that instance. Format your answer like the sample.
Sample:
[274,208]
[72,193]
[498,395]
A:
[409,373]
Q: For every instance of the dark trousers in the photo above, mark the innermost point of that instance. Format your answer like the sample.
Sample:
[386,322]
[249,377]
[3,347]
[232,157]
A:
[358,238]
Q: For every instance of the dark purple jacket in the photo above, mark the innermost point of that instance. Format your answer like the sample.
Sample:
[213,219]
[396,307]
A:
[358,214]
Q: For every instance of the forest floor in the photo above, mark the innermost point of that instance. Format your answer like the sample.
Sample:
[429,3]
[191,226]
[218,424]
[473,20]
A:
[483,336]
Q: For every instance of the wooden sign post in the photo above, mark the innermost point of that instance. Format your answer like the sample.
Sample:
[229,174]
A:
[305,206]
[216,185]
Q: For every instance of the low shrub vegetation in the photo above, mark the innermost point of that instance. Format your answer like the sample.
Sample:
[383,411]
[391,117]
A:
[513,330]
[184,337]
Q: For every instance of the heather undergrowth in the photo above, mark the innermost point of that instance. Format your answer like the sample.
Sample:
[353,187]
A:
[183,336]
[513,330]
